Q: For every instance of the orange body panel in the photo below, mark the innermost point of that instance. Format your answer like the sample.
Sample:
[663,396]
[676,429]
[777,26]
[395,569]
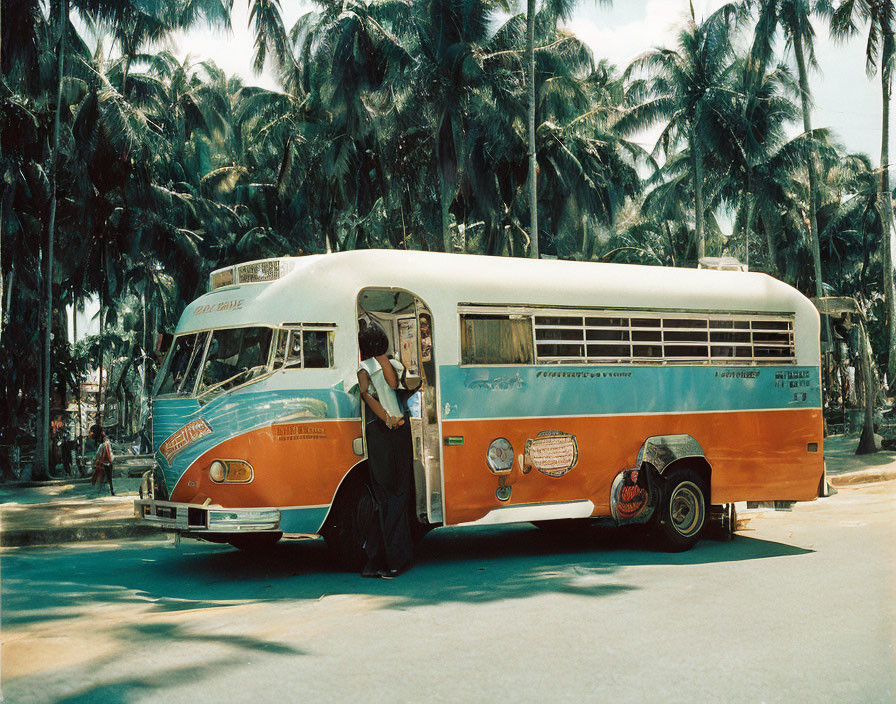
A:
[755,455]
[297,464]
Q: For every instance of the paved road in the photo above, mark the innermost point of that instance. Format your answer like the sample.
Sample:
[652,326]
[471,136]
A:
[799,608]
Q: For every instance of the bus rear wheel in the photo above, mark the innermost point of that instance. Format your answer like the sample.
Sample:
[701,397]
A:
[347,529]
[682,514]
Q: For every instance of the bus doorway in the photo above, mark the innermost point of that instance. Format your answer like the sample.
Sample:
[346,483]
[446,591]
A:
[407,322]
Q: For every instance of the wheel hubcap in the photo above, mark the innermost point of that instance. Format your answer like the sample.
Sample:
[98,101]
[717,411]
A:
[686,509]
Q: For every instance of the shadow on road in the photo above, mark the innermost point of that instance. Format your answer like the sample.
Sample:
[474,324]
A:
[50,586]
[464,565]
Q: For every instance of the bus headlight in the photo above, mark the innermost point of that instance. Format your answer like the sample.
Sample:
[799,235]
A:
[499,457]
[231,472]
[218,471]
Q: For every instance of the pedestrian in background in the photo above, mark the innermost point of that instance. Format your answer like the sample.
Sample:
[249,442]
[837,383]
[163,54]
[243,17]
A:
[102,461]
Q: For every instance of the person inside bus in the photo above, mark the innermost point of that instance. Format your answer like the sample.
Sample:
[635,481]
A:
[389,546]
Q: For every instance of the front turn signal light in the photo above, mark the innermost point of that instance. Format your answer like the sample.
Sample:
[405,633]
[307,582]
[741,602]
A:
[238,472]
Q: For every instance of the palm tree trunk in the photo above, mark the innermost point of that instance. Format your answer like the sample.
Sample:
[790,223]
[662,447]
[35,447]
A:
[533,162]
[770,243]
[103,286]
[124,74]
[749,216]
[2,322]
[810,165]
[42,463]
[445,199]
[2,193]
[78,386]
[886,213]
[805,98]
[697,171]
[866,442]
[9,287]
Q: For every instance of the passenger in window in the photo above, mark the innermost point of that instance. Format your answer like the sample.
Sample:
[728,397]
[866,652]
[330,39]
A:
[388,546]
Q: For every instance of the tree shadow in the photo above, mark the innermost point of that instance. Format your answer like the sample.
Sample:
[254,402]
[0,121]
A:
[471,565]
[149,637]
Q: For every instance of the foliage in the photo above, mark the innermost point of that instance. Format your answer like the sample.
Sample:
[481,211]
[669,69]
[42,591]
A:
[403,124]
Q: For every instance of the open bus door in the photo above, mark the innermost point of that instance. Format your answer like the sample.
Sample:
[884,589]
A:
[408,323]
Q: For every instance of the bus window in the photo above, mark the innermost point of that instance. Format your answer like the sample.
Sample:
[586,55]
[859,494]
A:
[496,339]
[294,349]
[311,349]
[280,348]
[317,348]
[186,389]
[235,357]
[179,358]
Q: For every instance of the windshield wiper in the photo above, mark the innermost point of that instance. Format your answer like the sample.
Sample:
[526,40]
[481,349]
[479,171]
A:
[241,372]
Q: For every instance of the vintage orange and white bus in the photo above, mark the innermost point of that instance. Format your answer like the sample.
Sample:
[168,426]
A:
[552,390]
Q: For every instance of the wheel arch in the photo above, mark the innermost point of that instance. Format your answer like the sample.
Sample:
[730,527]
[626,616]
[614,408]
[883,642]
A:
[666,453]
[359,472]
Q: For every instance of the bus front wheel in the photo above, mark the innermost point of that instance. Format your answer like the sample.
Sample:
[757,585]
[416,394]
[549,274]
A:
[682,514]
[346,531]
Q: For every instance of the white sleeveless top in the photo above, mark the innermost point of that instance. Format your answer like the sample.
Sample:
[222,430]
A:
[381,390]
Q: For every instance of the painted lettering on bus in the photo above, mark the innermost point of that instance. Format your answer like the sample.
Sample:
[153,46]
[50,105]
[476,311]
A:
[299,432]
[185,436]
[581,375]
[236,304]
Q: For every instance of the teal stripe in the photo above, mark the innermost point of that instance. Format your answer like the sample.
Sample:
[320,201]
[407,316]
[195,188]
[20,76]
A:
[543,391]
[302,520]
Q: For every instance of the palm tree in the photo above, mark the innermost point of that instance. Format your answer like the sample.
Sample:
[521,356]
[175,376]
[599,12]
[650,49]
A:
[880,16]
[689,88]
[557,9]
[755,126]
[792,17]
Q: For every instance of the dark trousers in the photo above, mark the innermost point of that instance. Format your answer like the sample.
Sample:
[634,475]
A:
[390,457]
[67,447]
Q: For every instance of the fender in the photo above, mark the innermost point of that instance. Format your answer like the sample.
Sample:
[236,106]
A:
[635,493]
[358,472]
[661,451]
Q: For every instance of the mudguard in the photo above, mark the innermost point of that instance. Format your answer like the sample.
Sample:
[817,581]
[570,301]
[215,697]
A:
[635,493]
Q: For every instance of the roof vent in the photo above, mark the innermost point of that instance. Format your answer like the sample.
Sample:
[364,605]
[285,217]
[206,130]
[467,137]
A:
[259,271]
[221,278]
[721,264]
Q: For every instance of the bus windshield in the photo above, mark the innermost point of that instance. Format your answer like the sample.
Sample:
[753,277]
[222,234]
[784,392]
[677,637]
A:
[235,357]
[186,348]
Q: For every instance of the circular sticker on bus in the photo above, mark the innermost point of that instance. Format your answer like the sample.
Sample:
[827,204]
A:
[552,452]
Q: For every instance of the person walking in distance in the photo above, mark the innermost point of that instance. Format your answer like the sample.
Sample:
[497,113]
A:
[102,461]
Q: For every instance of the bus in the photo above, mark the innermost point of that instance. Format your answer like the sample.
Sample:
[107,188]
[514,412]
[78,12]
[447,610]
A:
[553,392]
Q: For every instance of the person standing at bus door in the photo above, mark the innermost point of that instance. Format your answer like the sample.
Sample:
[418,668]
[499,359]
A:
[389,547]
[102,462]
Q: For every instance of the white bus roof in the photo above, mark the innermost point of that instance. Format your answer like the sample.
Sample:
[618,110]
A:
[323,288]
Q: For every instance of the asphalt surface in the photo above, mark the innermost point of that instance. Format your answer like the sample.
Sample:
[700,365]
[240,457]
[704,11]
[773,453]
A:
[797,608]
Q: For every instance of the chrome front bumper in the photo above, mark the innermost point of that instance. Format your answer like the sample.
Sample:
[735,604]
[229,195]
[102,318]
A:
[196,518]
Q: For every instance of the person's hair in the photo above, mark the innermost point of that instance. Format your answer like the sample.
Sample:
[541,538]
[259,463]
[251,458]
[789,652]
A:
[96,428]
[372,341]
